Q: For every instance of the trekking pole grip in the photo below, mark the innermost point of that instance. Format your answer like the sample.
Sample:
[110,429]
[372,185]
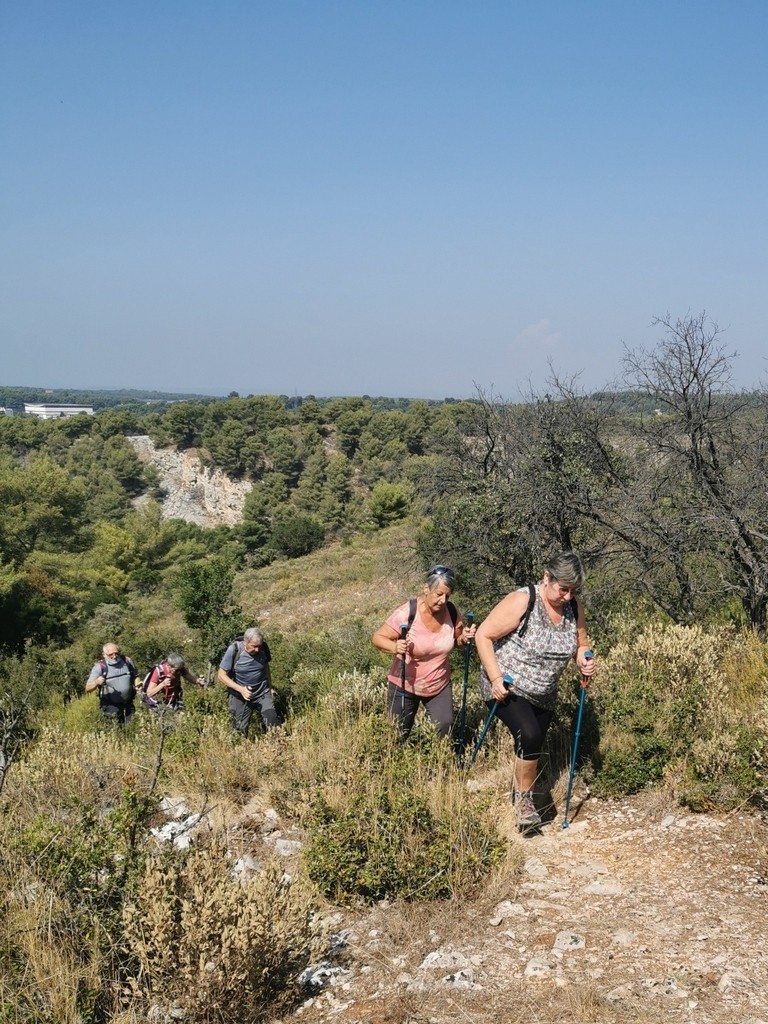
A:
[404,634]
[585,679]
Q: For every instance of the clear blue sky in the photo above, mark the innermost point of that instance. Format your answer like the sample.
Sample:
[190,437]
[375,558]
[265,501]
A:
[391,197]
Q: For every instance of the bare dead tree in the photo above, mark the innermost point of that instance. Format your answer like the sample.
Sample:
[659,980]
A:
[671,504]
[713,443]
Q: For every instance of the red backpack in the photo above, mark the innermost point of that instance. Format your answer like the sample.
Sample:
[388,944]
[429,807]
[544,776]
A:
[171,689]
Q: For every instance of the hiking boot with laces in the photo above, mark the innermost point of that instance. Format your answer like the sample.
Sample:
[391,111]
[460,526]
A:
[527,816]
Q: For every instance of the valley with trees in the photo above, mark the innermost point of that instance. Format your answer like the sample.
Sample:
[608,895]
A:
[659,483]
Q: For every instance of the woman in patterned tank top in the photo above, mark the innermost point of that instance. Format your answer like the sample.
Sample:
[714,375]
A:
[555,633]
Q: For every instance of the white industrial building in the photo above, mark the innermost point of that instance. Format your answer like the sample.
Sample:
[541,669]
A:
[44,411]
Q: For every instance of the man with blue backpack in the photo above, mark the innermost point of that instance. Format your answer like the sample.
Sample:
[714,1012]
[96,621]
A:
[244,670]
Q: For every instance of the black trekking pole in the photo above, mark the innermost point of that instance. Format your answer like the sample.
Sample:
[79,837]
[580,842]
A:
[577,733]
[403,636]
[507,681]
[461,744]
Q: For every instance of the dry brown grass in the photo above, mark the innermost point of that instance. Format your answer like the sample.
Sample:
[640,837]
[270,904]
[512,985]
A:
[53,971]
[364,578]
[89,768]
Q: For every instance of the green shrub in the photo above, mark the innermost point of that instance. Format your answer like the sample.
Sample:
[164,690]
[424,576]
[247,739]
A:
[23,695]
[631,763]
[79,715]
[388,503]
[679,704]
[307,664]
[396,822]
[296,536]
[725,771]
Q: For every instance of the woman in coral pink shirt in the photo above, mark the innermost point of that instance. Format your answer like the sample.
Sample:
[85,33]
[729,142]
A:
[434,632]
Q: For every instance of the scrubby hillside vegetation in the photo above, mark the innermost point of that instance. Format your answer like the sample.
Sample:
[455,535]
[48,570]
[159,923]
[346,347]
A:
[665,497]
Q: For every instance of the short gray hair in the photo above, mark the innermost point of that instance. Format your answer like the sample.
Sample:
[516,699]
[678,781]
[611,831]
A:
[567,568]
[175,661]
[253,635]
[440,575]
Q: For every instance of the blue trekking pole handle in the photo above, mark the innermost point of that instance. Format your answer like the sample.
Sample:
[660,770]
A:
[403,636]
[507,681]
[576,734]
[463,711]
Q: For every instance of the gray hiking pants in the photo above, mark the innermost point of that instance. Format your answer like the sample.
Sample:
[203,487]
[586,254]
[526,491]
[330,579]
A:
[242,711]
[404,706]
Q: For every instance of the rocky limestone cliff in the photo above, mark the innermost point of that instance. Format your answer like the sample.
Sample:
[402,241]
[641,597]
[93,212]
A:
[194,492]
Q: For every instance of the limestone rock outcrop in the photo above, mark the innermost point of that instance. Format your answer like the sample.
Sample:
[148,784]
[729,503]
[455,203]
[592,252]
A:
[194,492]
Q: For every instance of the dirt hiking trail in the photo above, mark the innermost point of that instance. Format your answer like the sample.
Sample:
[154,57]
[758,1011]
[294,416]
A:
[637,911]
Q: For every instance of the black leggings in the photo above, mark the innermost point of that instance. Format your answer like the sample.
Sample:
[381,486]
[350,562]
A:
[527,723]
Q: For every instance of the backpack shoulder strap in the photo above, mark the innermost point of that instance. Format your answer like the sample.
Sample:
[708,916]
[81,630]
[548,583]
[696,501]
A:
[239,646]
[148,676]
[411,611]
[453,612]
[523,624]
[102,663]
[151,702]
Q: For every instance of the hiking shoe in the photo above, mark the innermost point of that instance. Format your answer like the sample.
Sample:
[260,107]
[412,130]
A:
[527,816]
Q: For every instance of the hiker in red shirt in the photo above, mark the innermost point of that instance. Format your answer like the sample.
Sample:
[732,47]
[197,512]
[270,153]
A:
[162,686]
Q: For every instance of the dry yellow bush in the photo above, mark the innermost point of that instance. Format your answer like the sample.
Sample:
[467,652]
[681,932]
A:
[220,949]
[63,767]
[222,765]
